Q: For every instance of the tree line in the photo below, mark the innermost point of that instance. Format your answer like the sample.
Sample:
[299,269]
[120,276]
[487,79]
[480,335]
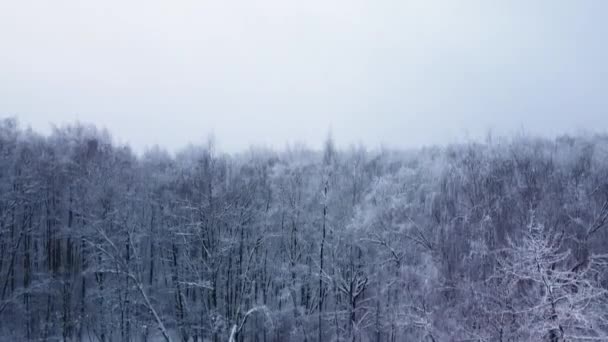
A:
[504,240]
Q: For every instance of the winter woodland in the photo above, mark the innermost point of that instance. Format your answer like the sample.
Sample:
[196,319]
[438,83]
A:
[505,240]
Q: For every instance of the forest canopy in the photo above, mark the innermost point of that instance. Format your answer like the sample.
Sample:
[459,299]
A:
[504,240]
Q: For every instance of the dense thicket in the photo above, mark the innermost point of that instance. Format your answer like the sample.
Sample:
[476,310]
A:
[501,241]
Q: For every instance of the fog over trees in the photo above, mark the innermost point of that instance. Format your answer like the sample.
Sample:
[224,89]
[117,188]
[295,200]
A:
[505,240]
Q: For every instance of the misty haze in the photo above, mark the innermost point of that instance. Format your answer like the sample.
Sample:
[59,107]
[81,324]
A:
[284,170]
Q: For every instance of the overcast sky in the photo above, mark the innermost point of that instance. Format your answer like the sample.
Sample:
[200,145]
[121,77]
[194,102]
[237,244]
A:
[401,73]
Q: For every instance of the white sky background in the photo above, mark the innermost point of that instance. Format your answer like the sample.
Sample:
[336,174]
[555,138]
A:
[401,73]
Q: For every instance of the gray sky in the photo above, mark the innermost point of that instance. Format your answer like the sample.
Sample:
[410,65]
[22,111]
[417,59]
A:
[396,72]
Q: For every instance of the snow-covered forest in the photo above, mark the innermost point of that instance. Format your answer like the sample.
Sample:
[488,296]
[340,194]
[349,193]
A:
[505,240]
